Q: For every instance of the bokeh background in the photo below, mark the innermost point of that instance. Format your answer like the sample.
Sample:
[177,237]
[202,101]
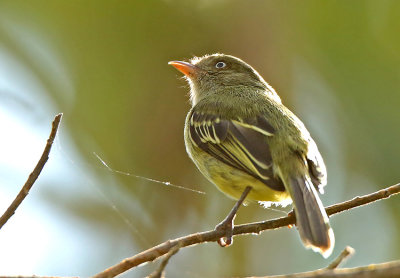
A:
[104,65]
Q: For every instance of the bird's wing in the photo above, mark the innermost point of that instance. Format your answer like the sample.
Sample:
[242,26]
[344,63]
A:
[316,166]
[238,143]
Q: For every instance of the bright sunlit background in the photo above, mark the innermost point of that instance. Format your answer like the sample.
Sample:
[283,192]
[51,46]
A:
[336,64]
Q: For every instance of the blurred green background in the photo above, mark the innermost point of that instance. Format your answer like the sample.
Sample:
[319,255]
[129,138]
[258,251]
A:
[336,64]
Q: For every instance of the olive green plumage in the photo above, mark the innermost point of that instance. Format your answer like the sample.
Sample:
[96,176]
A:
[239,134]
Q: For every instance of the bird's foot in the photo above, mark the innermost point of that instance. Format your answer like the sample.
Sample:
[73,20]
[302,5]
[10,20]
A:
[291,214]
[226,226]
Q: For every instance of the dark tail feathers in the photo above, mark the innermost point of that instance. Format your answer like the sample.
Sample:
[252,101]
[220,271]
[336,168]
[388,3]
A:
[311,219]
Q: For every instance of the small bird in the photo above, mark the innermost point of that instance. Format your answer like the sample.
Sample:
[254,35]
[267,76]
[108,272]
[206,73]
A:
[246,142]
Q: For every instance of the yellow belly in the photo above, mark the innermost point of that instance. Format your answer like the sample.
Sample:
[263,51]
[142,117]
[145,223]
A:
[232,181]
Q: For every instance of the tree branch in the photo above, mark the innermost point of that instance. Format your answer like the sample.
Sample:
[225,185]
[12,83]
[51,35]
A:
[383,270]
[253,228]
[159,273]
[34,175]
[346,253]
[36,276]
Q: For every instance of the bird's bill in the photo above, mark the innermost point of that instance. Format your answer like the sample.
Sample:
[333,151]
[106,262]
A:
[186,68]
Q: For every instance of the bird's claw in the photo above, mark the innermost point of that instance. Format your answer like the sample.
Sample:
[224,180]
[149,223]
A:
[227,228]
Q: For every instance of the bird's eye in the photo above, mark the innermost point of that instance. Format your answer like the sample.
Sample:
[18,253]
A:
[220,65]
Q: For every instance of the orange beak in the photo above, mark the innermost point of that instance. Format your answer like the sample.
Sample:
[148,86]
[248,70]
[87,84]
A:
[186,68]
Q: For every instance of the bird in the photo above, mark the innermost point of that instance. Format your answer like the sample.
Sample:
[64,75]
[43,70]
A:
[252,147]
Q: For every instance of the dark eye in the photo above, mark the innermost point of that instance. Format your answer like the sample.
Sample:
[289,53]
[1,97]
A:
[220,65]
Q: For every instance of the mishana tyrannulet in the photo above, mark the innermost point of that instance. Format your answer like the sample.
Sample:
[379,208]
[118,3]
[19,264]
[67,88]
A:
[246,142]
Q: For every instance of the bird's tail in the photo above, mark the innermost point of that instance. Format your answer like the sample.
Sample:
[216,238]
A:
[311,218]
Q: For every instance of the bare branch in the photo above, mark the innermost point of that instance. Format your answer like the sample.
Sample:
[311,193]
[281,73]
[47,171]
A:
[384,270]
[159,273]
[34,175]
[209,236]
[36,276]
[346,253]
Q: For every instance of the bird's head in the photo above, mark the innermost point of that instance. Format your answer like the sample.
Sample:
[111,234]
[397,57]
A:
[212,73]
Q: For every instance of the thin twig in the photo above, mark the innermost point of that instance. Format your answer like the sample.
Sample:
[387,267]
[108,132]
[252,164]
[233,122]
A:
[34,175]
[346,253]
[209,236]
[36,276]
[159,273]
[383,270]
